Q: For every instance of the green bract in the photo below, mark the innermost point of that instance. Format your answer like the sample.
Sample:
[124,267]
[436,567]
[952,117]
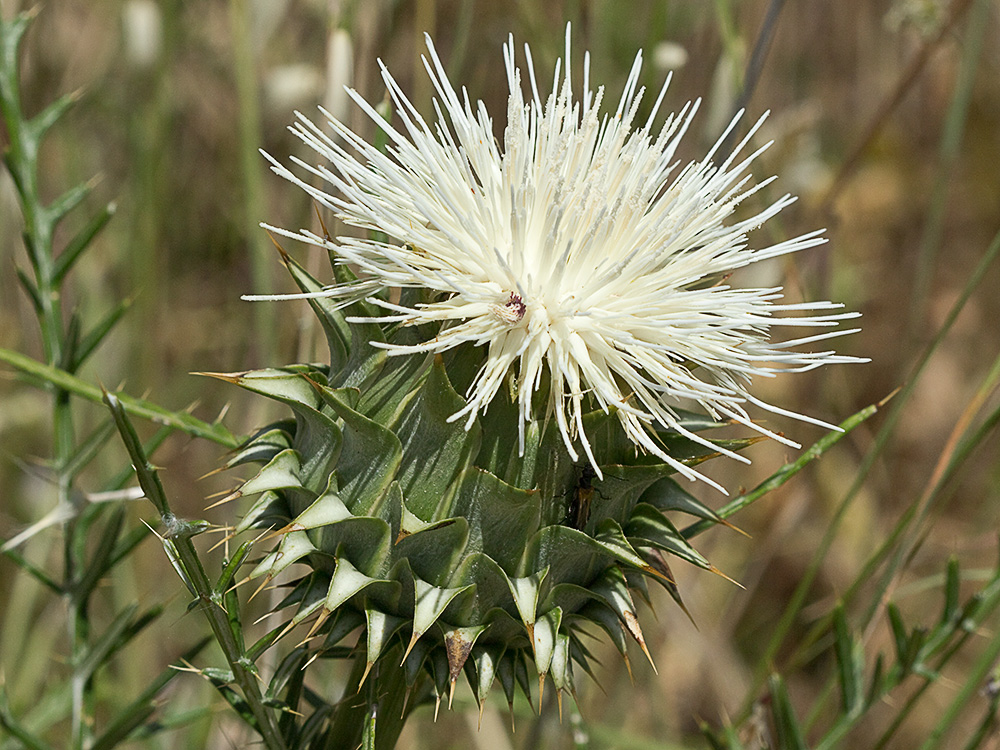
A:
[444,540]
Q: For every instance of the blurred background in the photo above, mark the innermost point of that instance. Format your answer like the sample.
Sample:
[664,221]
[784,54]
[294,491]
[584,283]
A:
[886,121]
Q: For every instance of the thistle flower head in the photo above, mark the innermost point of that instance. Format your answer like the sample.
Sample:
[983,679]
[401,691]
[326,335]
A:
[591,266]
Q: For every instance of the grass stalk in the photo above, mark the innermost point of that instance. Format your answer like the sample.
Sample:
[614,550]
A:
[251,166]
[797,600]
[949,151]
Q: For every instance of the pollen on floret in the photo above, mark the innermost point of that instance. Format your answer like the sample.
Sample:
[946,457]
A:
[512,311]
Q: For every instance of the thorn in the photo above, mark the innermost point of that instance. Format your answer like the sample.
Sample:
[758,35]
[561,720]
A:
[642,645]
[162,539]
[261,535]
[368,668]
[259,588]
[413,642]
[284,255]
[718,572]
[482,706]
[437,707]
[559,703]
[263,617]
[282,531]
[222,541]
[658,573]
[541,692]
[451,693]
[229,377]
[628,668]
[286,631]
[188,667]
[312,658]
[231,496]
[213,472]
[510,708]
[406,700]
[326,232]
[323,615]
[632,625]
[886,400]
[684,609]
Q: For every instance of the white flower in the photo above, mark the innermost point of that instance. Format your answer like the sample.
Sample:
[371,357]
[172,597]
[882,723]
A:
[576,248]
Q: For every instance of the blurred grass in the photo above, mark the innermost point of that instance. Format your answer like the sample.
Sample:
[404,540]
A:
[169,130]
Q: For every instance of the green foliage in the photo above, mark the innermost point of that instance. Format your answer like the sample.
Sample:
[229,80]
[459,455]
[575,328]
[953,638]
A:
[863,683]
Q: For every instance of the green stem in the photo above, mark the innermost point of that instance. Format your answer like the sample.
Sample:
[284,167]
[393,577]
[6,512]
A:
[136,407]
[178,535]
[783,474]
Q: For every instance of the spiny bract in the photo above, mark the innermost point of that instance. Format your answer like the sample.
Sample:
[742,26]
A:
[443,538]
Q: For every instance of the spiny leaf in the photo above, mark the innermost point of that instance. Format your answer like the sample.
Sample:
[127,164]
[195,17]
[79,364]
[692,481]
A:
[490,592]
[293,547]
[66,202]
[458,643]
[365,362]
[433,553]
[331,317]
[369,457]
[525,592]
[48,117]
[543,642]
[79,242]
[97,334]
[347,581]
[265,444]
[380,628]
[429,603]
